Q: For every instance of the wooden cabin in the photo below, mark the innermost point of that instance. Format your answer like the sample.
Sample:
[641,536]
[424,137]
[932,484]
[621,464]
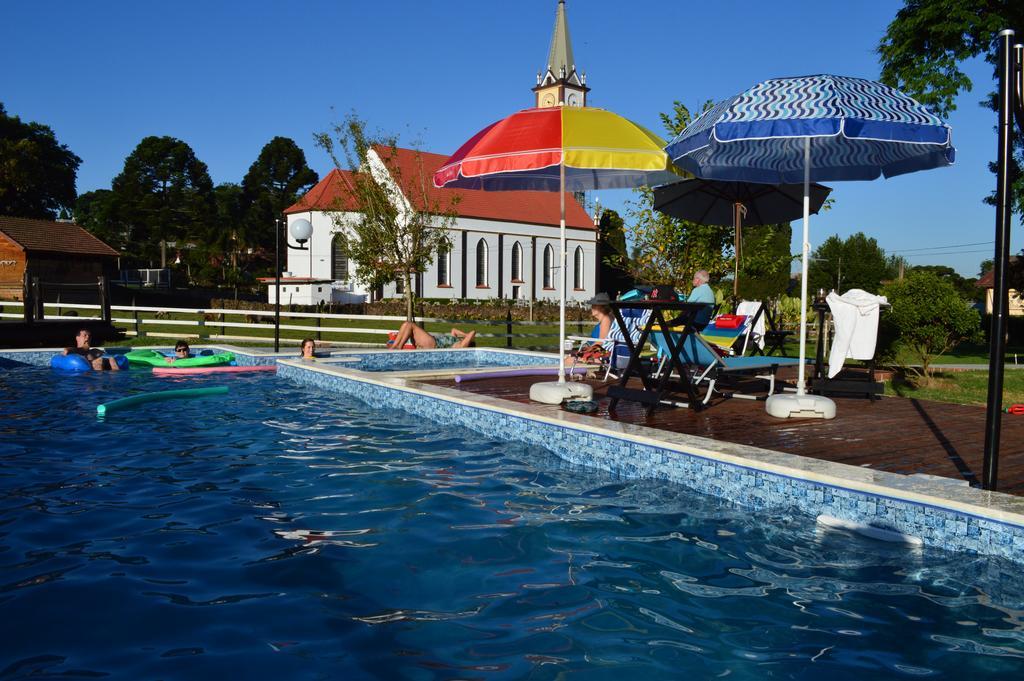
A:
[54,251]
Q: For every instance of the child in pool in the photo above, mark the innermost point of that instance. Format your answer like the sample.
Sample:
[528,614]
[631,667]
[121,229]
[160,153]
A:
[308,348]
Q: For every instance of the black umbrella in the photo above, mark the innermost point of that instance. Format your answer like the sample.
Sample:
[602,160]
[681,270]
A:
[713,202]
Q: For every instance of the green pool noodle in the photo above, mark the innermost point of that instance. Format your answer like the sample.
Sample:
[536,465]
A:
[133,400]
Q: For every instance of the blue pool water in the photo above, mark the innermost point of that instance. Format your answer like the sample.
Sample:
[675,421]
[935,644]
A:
[286,533]
[410,360]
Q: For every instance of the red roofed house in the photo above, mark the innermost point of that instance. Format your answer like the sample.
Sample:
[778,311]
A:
[53,251]
[504,244]
[1015,308]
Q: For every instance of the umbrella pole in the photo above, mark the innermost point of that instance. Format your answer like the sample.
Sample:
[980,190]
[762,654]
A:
[737,224]
[561,237]
[800,389]
[802,405]
[556,392]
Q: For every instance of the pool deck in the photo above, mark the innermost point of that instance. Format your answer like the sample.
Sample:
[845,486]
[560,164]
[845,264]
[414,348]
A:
[892,434]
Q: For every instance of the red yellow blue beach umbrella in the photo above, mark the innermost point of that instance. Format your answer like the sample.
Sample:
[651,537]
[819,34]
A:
[559,149]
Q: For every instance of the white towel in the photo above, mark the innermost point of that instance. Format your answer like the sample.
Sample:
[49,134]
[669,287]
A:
[855,315]
[750,308]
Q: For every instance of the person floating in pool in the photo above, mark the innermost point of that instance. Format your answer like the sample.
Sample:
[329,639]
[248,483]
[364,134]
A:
[83,344]
[308,348]
[428,341]
[94,356]
[181,351]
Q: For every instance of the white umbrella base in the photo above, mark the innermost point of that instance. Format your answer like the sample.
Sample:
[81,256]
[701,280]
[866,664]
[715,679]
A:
[554,392]
[790,406]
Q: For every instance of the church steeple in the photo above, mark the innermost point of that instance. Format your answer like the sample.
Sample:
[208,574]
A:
[560,83]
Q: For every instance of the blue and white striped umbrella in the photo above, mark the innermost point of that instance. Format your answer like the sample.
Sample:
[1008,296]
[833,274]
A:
[812,128]
[859,128]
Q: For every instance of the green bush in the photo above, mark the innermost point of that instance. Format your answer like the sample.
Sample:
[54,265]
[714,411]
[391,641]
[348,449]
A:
[928,318]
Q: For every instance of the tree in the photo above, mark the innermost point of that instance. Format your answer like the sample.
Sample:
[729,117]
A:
[667,250]
[37,173]
[611,239]
[96,211]
[967,288]
[164,192]
[275,180]
[928,318]
[766,261]
[401,223]
[857,262]
[927,42]
[670,251]
[215,258]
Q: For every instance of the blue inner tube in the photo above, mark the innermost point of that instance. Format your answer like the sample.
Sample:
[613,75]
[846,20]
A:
[76,363]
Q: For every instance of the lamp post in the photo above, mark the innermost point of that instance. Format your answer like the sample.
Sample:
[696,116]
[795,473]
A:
[301,231]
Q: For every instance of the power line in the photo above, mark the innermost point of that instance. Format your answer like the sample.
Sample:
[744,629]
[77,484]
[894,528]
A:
[936,248]
[935,255]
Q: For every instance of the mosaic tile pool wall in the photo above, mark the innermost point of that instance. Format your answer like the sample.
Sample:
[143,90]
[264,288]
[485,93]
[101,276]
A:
[748,486]
[411,360]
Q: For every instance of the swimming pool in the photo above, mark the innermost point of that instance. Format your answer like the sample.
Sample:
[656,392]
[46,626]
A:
[286,532]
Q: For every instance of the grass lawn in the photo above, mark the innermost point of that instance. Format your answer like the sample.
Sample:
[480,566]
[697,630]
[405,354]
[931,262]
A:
[960,387]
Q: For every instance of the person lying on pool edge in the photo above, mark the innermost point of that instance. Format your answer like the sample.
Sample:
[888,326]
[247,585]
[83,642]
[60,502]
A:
[429,341]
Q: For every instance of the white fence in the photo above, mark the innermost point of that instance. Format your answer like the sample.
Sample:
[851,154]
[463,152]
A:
[212,324]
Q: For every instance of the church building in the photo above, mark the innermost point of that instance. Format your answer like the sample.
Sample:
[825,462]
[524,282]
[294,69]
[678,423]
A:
[503,244]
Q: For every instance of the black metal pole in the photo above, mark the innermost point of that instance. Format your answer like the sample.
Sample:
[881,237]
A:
[997,333]
[277,285]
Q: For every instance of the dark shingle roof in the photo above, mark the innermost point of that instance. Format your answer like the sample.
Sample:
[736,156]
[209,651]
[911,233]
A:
[53,237]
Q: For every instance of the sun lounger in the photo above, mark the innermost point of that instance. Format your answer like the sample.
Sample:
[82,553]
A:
[734,340]
[707,365]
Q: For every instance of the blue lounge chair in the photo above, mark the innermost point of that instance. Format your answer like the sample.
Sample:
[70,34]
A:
[734,340]
[708,366]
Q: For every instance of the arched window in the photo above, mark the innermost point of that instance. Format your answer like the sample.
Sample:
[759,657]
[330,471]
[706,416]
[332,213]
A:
[444,266]
[549,267]
[481,263]
[577,269]
[517,262]
[339,261]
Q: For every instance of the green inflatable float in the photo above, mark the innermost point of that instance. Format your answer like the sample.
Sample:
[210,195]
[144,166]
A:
[153,358]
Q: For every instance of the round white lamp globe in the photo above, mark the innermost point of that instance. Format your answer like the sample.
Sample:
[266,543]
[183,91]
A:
[301,230]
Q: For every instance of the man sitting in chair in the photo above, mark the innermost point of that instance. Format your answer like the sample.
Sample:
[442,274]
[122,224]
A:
[702,293]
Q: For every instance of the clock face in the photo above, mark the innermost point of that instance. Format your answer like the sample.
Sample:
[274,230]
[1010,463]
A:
[573,100]
[548,100]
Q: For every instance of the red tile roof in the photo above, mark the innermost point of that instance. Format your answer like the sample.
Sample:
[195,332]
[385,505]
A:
[987,280]
[334,192]
[537,208]
[53,237]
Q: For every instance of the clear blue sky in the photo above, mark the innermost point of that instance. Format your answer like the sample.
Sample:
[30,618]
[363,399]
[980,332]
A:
[227,76]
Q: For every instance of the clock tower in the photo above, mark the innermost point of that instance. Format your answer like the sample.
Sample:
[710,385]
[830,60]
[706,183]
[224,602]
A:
[560,83]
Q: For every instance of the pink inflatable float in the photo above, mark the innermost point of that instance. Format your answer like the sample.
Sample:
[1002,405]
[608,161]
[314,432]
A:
[195,371]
